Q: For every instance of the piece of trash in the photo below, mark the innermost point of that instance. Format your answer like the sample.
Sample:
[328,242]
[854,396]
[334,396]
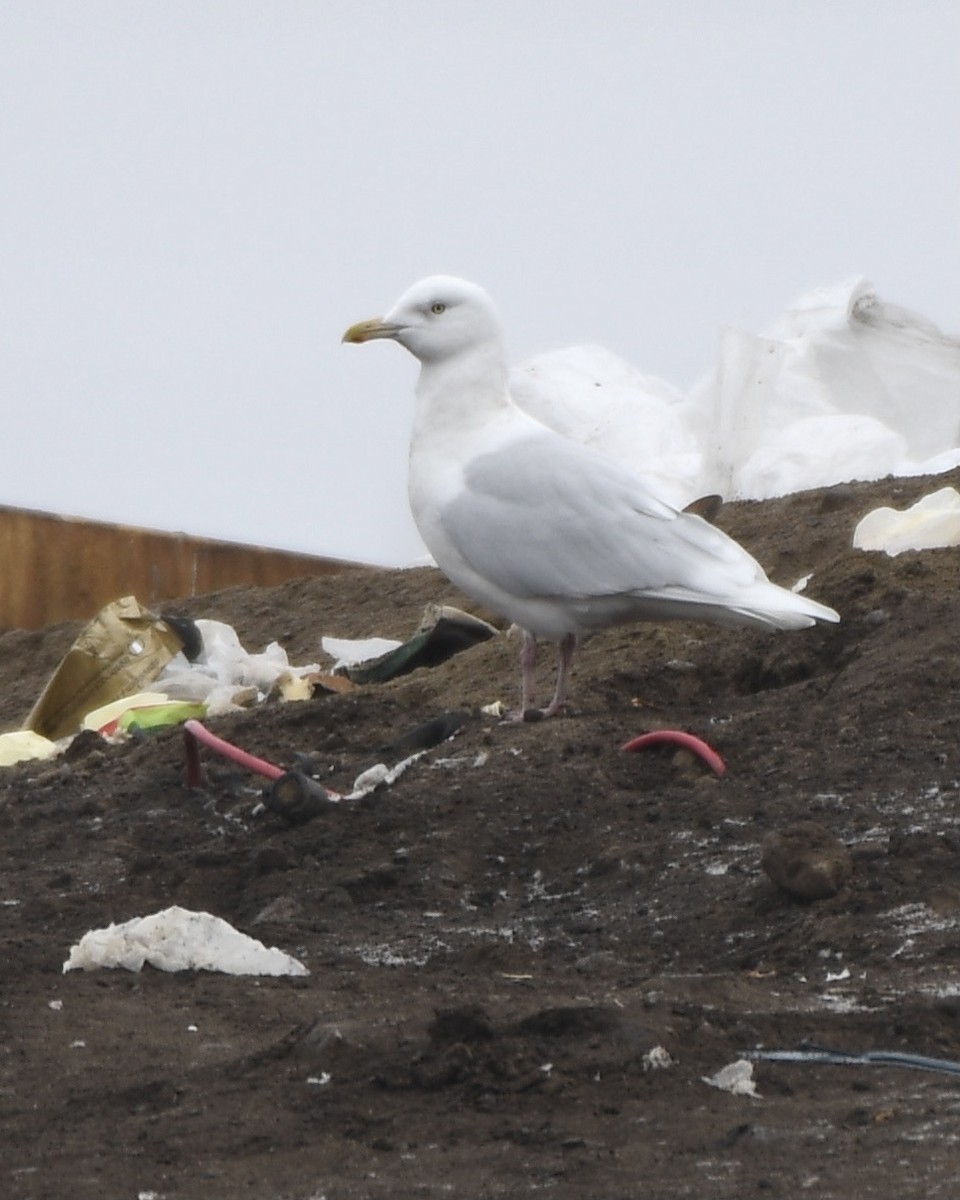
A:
[56,1005]
[931,523]
[194,733]
[103,720]
[657,1059]
[23,745]
[380,775]
[124,648]
[332,683]
[177,939]
[684,741]
[352,652]
[496,709]
[874,1058]
[431,733]
[735,1078]
[298,798]
[444,632]
[222,671]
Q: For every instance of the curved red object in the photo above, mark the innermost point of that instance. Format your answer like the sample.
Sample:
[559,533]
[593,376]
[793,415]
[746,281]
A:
[686,741]
[194,732]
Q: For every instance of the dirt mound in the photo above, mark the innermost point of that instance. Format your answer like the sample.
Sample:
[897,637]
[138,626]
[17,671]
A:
[499,940]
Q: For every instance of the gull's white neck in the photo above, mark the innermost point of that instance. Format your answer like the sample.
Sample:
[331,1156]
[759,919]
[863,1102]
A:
[461,393]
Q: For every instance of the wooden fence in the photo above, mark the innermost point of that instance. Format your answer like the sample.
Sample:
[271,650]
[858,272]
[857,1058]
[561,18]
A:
[55,568]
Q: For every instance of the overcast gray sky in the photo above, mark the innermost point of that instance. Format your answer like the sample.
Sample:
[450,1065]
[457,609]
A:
[196,199]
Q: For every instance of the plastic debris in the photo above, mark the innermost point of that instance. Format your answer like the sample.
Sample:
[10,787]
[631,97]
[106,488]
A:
[844,386]
[735,1078]
[177,939]
[873,1058]
[124,648]
[23,745]
[352,652]
[658,1059]
[223,675]
[683,741]
[104,719]
[431,733]
[933,522]
[443,632]
[195,734]
[298,798]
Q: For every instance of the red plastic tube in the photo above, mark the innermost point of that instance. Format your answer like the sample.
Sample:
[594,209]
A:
[686,741]
[194,733]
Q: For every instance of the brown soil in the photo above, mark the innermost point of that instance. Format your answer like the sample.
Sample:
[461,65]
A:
[496,941]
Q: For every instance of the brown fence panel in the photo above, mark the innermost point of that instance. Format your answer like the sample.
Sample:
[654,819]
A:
[55,568]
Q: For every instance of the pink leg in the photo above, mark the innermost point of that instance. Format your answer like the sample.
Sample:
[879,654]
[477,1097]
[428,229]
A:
[559,701]
[528,660]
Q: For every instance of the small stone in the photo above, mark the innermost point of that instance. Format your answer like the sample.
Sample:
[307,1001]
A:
[806,861]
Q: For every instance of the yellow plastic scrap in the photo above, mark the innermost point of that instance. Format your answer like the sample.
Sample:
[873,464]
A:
[23,745]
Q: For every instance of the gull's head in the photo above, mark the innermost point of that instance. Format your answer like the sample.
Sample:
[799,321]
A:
[437,318]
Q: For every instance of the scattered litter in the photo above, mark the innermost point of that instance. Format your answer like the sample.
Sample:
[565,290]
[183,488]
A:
[351,652]
[320,1080]
[298,798]
[23,745]
[682,740]
[735,1078]
[496,709]
[195,733]
[431,733]
[840,975]
[105,718]
[934,521]
[124,648]
[224,675]
[455,762]
[380,775]
[443,632]
[658,1059]
[874,1058]
[56,1005]
[177,939]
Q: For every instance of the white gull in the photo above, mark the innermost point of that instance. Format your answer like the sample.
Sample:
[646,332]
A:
[544,531]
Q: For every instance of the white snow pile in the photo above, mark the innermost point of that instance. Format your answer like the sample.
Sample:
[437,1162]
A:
[177,939]
[845,386]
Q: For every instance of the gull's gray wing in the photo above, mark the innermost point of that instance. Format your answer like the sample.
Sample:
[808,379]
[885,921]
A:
[544,517]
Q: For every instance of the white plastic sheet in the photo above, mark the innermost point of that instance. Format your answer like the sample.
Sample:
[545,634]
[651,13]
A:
[177,939]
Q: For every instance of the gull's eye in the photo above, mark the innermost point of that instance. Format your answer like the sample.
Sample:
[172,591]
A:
[438,308]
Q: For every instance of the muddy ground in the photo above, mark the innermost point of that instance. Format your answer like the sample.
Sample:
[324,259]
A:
[497,941]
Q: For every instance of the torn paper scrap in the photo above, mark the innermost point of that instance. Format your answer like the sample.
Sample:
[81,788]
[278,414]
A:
[735,1078]
[177,939]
